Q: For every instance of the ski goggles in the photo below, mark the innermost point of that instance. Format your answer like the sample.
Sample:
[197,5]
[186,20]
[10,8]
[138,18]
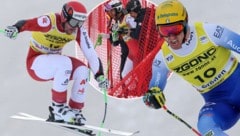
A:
[75,23]
[173,29]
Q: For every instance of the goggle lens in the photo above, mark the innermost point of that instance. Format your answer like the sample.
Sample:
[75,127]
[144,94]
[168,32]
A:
[166,31]
[75,23]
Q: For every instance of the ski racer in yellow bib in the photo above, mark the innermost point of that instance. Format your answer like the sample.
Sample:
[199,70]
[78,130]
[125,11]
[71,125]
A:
[52,41]
[206,66]
[46,62]
[201,54]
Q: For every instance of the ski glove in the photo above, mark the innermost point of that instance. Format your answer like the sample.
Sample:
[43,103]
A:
[11,32]
[102,82]
[154,98]
[115,36]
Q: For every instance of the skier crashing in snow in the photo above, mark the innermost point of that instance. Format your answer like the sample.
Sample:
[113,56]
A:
[45,61]
[201,54]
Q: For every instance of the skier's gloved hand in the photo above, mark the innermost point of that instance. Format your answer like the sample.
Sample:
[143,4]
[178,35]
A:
[102,82]
[11,32]
[154,98]
[114,36]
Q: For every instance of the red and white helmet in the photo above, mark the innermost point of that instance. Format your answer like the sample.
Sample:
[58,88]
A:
[74,13]
[113,4]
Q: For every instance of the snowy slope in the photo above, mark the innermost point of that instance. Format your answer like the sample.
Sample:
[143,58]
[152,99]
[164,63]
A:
[20,93]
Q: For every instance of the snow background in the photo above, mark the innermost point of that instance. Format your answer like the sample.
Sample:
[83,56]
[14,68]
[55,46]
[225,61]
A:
[20,93]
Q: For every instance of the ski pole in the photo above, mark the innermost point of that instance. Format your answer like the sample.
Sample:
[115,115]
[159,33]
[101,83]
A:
[181,120]
[105,110]
[99,42]
[105,101]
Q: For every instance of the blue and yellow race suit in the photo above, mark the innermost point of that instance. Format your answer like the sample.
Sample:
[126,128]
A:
[207,63]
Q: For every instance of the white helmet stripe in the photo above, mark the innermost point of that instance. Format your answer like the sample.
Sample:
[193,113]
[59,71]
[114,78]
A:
[79,16]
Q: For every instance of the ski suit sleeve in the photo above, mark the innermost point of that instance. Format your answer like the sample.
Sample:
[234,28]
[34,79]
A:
[89,52]
[159,72]
[42,24]
[223,36]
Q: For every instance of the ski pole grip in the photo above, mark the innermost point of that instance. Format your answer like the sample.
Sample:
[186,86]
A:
[2,31]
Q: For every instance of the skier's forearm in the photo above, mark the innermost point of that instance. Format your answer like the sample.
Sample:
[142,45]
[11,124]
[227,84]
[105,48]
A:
[19,24]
